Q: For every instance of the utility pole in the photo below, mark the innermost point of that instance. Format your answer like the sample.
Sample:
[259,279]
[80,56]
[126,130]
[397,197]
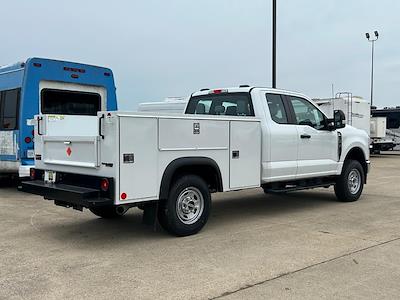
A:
[274,44]
[372,40]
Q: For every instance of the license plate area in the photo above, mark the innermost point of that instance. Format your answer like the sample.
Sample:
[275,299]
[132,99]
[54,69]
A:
[50,176]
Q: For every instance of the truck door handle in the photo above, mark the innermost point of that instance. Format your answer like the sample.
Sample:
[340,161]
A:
[235,154]
[305,136]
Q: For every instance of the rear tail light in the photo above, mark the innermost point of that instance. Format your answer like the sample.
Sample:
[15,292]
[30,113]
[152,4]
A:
[28,140]
[104,184]
[32,173]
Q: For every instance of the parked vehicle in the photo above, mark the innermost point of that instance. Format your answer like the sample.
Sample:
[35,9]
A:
[170,105]
[386,121]
[229,139]
[44,86]
[356,109]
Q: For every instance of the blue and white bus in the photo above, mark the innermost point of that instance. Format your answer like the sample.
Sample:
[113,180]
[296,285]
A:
[49,87]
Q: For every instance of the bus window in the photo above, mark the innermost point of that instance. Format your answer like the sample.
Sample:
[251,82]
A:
[70,102]
[9,109]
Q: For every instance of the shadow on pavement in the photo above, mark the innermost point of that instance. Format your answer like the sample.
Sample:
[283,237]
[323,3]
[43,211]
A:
[228,208]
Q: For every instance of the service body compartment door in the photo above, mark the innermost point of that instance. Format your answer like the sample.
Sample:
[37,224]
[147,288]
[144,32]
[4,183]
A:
[245,154]
[138,158]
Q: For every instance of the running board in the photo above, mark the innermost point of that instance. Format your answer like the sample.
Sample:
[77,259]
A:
[292,188]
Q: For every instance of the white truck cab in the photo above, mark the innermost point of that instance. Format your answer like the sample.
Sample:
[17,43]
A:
[228,139]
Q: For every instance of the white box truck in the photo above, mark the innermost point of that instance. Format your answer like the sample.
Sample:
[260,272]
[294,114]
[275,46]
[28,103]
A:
[227,140]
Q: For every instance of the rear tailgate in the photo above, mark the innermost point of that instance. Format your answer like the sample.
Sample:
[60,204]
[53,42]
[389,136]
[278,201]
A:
[67,140]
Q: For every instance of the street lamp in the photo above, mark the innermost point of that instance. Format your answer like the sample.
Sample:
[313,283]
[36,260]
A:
[372,40]
[274,44]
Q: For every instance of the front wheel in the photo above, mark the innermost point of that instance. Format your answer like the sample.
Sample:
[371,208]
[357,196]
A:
[187,208]
[350,183]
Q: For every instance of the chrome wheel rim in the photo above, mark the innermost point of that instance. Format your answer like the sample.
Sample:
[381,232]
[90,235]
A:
[190,205]
[354,181]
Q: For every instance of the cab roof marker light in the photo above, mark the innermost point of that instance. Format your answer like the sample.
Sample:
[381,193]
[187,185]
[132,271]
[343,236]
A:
[37,65]
[219,91]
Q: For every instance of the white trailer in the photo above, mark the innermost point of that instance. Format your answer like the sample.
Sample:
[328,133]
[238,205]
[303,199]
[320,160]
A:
[170,105]
[356,109]
[229,139]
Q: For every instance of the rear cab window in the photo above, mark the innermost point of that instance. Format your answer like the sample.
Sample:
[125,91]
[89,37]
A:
[225,104]
[66,102]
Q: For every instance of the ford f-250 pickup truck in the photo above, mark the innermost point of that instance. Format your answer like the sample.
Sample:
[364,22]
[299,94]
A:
[228,139]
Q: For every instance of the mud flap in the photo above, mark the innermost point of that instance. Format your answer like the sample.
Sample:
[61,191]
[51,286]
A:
[150,212]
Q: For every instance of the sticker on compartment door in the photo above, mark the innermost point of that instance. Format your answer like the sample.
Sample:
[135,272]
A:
[129,158]
[55,118]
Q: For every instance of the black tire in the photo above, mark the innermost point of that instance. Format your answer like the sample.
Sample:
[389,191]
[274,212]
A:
[344,189]
[107,212]
[171,213]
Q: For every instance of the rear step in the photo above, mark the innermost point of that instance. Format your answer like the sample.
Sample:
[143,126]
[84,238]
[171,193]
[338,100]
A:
[78,197]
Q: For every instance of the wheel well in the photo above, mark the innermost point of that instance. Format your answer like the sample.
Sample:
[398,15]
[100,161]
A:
[357,154]
[203,167]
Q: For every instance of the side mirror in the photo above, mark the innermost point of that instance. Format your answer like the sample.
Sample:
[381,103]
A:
[339,119]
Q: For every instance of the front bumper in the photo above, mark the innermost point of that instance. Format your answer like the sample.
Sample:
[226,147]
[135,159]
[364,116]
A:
[67,195]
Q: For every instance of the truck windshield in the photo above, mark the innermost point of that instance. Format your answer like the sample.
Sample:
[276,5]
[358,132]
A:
[69,102]
[228,104]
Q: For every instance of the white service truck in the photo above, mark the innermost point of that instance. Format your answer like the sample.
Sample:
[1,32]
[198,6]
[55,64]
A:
[227,140]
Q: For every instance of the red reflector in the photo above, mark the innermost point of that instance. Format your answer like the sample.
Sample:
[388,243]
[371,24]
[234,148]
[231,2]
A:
[37,65]
[28,140]
[123,196]
[104,184]
[32,173]
[74,76]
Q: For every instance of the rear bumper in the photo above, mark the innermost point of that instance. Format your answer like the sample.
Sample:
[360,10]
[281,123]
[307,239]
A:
[67,195]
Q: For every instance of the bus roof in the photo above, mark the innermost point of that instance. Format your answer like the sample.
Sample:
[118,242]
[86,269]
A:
[20,65]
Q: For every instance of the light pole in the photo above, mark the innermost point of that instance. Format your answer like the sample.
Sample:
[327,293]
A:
[372,40]
[274,44]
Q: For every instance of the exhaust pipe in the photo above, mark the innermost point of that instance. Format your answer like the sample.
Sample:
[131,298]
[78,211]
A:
[122,209]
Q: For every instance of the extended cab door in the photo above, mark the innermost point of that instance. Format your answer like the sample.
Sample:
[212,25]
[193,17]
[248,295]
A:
[280,142]
[317,146]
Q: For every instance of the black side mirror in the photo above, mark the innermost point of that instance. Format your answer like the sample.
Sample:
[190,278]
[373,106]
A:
[339,119]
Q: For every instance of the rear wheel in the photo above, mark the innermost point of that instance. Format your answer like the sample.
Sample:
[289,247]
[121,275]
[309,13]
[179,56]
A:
[187,208]
[350,184]
[108,212]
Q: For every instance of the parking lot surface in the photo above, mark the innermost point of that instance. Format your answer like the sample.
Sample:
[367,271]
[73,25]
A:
[299,245]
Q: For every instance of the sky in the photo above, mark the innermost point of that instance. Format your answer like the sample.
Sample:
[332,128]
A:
[160,49]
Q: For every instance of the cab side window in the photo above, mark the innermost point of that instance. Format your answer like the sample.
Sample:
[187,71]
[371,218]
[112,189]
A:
[276,108]
[306,113]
